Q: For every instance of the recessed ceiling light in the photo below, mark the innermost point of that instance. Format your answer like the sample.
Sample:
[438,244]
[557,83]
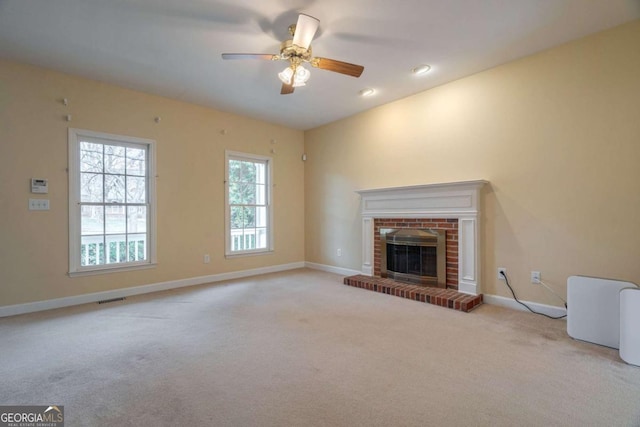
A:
[367,92]
[421,69]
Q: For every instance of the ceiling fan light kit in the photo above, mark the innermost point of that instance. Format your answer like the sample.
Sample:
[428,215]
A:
[298,51]
[295,78]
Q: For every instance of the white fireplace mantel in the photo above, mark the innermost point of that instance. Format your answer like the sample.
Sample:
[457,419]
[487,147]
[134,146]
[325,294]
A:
[460,200]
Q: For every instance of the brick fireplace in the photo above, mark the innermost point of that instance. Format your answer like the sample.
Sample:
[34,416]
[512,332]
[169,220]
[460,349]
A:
[454,207]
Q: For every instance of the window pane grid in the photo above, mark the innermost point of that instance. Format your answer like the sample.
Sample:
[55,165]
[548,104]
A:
[113,199]
[247,204]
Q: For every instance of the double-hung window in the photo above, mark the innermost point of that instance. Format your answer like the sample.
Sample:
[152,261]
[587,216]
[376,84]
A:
[248,204]
[111,202]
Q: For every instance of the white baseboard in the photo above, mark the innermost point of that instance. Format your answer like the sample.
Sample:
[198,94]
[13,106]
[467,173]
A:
[549,310]
[12,310]
[332,269]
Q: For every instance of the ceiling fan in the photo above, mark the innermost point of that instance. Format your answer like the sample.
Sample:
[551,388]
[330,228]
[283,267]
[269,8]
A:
[298,51]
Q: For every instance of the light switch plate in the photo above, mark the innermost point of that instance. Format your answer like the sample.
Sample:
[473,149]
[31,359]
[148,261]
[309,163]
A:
[38,204]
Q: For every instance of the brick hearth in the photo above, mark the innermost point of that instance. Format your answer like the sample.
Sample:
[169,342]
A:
[437,296]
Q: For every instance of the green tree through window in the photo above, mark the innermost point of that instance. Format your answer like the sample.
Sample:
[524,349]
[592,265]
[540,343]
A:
[248,203]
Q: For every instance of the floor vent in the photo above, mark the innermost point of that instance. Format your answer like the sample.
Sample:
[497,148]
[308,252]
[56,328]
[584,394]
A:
[104,301]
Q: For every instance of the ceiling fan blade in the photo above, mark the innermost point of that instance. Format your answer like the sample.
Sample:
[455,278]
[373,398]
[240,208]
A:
[305,30]
[338,66]
[286,89]
[267,56]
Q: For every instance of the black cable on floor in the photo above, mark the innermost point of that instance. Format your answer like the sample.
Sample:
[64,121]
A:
[506,279]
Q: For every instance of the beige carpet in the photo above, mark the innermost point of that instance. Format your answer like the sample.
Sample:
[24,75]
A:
[301,349]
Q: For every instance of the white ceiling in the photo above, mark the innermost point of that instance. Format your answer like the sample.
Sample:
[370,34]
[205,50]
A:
[172,47]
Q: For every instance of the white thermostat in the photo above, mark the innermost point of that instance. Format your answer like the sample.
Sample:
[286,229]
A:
[40,186]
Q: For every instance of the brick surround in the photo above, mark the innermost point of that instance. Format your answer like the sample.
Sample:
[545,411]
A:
[450,226]
[437,296]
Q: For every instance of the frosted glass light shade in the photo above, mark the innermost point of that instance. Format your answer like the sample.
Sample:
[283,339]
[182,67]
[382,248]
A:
[295,78]
[285,75]
[301,76]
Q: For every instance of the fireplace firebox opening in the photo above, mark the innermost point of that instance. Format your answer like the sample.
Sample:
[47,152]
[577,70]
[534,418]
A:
[415,256]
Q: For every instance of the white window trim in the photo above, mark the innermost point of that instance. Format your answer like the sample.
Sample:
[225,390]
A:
[227,211]
[75,269]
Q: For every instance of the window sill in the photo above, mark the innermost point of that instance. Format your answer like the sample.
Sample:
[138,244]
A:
[246,254]
[96,271]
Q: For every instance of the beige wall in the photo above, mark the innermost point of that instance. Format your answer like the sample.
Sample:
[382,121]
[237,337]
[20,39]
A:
[190,191]
[557,134]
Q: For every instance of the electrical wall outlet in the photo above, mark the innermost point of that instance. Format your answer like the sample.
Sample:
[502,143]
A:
[535,277]
[207,259]
[339,252]
[500,271]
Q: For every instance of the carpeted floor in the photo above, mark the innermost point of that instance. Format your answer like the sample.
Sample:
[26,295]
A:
[300,349]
